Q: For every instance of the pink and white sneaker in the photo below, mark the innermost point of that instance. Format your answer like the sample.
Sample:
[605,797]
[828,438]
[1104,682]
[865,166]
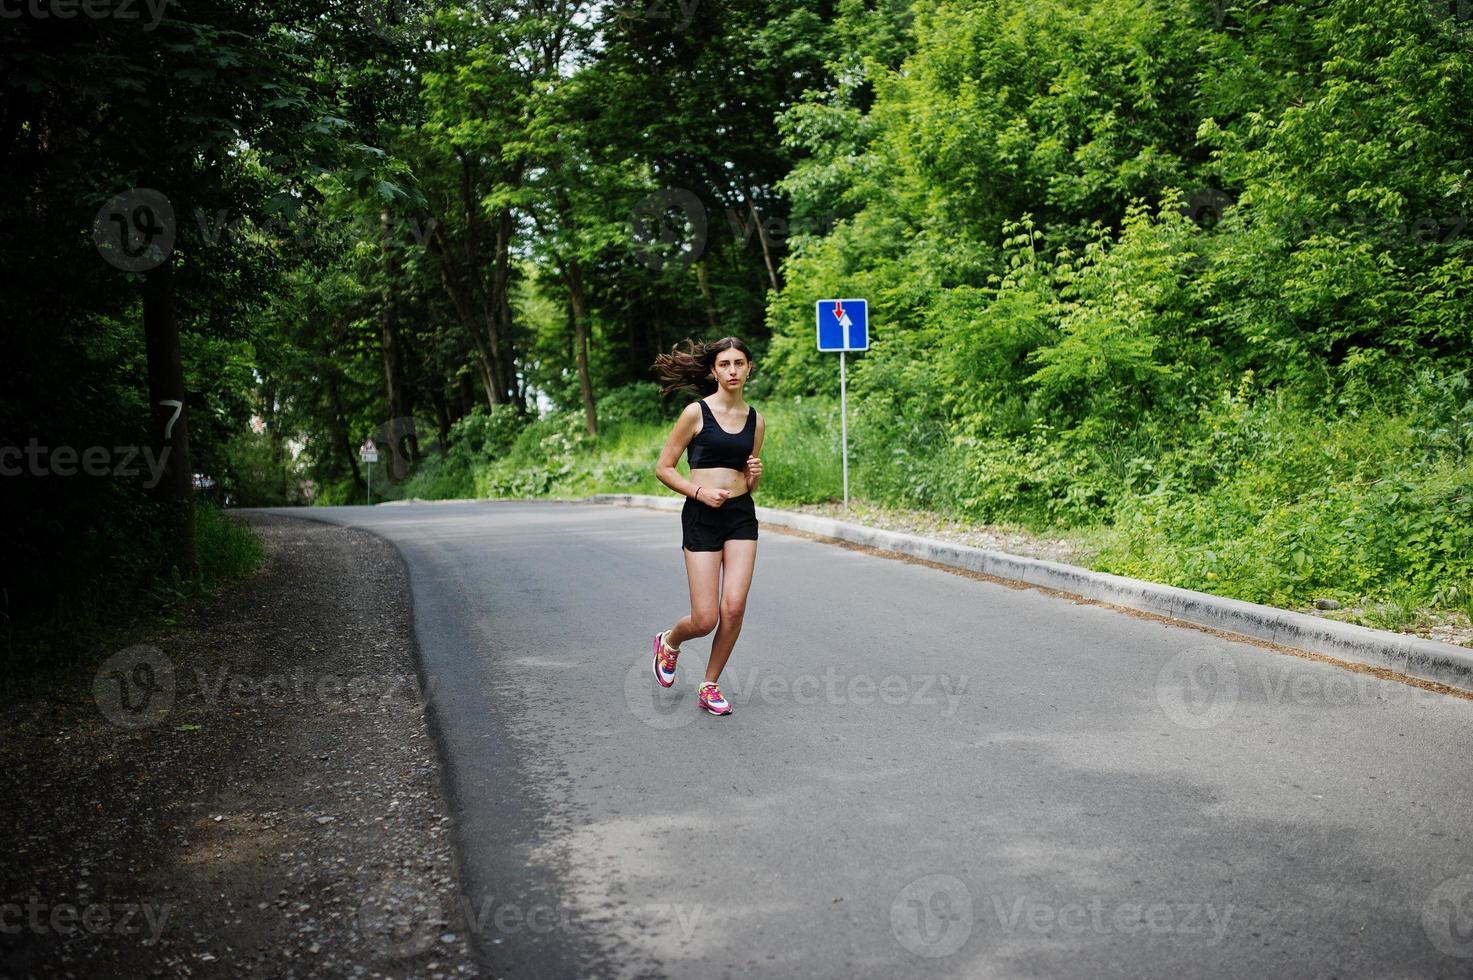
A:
[664,661]
[711,699]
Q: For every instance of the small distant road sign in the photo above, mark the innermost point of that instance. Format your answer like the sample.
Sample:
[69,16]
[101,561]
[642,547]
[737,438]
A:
[843,324]
[369,452]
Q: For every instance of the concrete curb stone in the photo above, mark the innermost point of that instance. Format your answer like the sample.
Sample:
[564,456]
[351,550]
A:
[1430,660]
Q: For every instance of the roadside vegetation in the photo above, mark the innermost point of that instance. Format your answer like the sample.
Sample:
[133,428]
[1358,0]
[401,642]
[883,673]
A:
[1265,503]
[119,590]
[1187,282]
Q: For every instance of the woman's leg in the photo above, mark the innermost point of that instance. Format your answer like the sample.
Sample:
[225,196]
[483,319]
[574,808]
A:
[738,557]
[703,571]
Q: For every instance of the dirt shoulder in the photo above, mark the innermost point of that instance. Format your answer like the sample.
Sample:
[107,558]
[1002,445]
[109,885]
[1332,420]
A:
[252,792]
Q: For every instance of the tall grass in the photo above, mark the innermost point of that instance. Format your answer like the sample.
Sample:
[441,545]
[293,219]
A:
[125,598]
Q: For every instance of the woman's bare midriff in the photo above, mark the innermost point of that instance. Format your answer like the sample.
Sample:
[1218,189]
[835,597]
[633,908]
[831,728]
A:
[720,478]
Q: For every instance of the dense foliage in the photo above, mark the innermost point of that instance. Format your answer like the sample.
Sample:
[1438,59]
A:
[1200,276]
[1187,277]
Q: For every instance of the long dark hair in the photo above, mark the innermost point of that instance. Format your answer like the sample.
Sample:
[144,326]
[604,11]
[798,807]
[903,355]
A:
[691,368]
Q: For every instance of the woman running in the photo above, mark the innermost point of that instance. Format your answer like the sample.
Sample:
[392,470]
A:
[719,523]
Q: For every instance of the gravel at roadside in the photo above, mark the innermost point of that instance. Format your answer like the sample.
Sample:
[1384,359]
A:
[253,792]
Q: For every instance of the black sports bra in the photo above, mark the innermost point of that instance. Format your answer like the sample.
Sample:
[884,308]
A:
[714,447]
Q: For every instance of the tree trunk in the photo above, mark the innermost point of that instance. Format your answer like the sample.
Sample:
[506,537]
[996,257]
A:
[490,303]
[578,307]
[484,355]
[766,242]
[467,391]
[341,438]
[501,337]
[389,344]
[434,368]
[702,277]
[442,412]
[269,414]
[169,425]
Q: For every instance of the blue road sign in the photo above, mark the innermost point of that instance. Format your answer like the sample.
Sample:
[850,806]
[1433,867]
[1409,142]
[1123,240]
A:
[843,324]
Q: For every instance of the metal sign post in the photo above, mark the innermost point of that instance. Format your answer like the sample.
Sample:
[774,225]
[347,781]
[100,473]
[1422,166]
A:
[844,427]
[843,325]
[369,452]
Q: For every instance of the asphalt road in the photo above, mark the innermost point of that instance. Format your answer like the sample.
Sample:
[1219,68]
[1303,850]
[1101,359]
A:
[926,775]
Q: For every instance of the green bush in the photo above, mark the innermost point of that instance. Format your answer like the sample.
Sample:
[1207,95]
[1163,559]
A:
[639,403]
[132,594]
[487,432]
[1278,503]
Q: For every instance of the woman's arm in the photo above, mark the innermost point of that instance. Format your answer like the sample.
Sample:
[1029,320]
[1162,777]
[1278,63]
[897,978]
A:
[754,462]
[681,434]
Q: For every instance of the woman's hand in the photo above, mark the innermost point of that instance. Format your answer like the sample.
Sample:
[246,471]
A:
[754,471]
[712,496]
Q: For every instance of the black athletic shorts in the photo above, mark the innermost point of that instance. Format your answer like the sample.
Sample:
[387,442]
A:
[707,528]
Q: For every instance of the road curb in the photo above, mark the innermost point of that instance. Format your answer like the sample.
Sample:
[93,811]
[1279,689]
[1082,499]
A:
[1425,659]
